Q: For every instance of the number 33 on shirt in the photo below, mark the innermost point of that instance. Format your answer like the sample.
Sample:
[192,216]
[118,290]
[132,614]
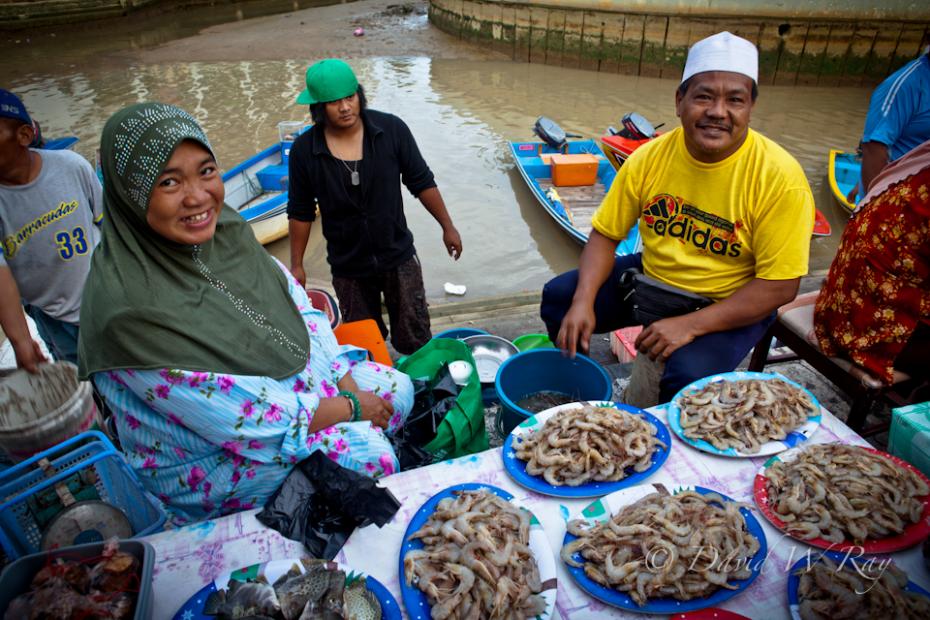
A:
[71,243]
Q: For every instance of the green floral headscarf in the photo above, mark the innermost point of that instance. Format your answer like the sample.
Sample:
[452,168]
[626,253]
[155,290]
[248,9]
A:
[149,303]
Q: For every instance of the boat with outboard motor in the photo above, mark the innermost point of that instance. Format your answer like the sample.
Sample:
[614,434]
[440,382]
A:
[571,206]
[634,132]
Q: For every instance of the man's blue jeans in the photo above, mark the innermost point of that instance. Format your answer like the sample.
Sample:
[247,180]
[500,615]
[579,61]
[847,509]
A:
[706,355]
[61,337]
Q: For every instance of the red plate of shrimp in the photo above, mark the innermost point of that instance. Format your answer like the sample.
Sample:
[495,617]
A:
[842,497]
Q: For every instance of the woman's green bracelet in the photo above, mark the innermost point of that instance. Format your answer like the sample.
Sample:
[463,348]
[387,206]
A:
[356,406]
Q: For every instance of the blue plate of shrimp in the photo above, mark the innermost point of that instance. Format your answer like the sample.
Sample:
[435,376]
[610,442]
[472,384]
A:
[792,437]
[517,468]
[416,601]
[867,571]
[606,507]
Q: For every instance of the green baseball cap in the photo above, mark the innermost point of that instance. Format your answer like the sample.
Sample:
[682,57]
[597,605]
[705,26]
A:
[328,80]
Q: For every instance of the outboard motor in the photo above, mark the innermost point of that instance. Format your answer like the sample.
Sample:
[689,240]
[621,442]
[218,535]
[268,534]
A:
[550,132]
[634,126]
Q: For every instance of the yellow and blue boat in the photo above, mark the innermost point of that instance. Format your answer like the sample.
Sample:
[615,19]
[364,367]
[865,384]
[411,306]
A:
[844,171]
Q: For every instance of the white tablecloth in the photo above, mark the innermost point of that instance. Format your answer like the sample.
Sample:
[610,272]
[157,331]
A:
[190,557]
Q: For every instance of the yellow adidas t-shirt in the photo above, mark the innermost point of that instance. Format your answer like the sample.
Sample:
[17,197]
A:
[711,228]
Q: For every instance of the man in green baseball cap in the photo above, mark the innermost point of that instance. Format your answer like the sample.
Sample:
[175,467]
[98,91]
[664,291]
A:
[350,165]
[328,80]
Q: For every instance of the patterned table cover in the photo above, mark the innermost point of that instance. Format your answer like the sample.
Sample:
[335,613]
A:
[189,557]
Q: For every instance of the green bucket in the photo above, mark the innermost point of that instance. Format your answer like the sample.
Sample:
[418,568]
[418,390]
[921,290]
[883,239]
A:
[533,341]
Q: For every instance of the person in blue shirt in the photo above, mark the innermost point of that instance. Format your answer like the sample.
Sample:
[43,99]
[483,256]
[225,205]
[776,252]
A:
[898,119]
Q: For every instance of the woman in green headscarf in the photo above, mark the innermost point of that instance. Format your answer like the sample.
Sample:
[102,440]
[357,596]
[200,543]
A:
[220,373]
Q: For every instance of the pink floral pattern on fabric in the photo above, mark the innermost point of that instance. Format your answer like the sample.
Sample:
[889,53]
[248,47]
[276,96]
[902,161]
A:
[388,463]
[207,444]
[197,378]
[225,383]
[172,377]
[329,390]
[273,413]
[195,477]
[115,378]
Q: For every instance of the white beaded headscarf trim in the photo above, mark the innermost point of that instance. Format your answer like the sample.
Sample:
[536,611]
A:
[144,142]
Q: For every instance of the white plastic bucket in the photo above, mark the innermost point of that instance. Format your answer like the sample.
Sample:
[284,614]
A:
[41,410]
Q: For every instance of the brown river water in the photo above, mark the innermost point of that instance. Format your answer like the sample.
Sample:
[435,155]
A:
[462,112]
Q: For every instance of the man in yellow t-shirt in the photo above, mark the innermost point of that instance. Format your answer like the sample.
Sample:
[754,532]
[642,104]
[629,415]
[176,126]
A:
[724,213]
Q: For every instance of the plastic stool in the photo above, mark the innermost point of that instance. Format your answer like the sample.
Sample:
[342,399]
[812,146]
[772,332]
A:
[365,334]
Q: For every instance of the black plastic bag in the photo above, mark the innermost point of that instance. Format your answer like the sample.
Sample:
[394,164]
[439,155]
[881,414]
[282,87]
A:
[432,400]
[321,503]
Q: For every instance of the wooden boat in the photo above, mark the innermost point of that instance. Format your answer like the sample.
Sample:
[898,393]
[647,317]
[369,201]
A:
[844,172]
[571,207]
[257,188]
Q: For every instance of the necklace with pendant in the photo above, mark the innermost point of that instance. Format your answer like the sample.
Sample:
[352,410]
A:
[353,173]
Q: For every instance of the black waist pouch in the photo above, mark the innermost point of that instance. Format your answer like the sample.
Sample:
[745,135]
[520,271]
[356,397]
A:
[654,300]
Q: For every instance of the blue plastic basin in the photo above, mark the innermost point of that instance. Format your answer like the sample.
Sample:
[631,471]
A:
[539,370]
[458,333]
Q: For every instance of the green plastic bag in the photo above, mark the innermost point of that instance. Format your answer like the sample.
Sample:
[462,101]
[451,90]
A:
[462,431]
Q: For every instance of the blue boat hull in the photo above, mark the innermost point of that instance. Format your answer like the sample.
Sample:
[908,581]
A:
[538,176]
[844,173]
[257,188]
[58,144]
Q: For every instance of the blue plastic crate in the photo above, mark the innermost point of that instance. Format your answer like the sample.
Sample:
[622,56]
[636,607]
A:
[17,577]
[116,484]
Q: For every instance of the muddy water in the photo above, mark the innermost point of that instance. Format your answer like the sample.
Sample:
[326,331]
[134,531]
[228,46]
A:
[462,114]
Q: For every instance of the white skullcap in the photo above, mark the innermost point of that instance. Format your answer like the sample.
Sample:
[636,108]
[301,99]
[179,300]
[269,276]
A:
[723,51]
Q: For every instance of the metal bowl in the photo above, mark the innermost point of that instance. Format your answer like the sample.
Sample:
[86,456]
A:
[489,353]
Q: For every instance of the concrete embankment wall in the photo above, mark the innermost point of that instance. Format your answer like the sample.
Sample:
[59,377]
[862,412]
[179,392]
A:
[35,13]
[827,42]
[27,14]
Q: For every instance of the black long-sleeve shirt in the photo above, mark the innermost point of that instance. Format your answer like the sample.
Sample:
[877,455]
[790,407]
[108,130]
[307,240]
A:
[364,226]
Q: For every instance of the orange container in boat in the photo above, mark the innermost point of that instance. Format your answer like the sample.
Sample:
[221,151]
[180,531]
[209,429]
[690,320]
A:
[573,170]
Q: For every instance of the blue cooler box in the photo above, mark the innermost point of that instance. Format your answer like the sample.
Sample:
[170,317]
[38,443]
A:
[910,435]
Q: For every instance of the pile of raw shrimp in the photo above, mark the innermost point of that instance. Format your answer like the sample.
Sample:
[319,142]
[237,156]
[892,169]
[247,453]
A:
[745,413]
[682,546]
[839,493]
[827,591]
[476,561]
[588,444]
